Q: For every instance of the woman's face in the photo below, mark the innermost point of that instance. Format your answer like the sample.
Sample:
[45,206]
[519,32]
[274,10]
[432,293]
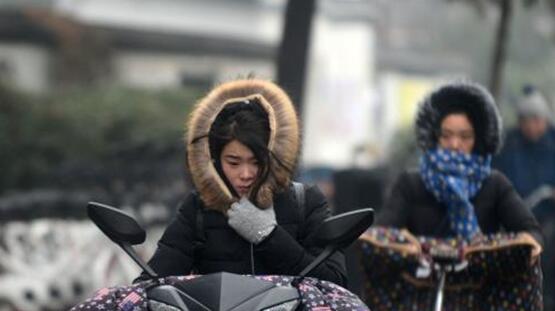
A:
[533,128]
[457,133]
[239,166]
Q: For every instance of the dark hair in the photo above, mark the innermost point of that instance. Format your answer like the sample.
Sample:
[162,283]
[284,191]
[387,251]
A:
[247,122]
[454,102]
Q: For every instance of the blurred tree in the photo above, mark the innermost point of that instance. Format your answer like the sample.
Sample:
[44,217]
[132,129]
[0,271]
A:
[82,54]
[500,47]
[79,137]
[293,50]
[502,36]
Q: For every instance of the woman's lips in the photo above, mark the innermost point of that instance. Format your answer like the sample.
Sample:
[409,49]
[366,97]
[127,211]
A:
[243,189]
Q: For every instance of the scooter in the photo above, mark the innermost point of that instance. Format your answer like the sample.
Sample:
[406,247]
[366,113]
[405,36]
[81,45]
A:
[446,260]
[227,291]
[450,273]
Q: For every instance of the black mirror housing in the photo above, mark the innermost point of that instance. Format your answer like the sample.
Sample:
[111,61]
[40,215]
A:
[341,230]
[116,224]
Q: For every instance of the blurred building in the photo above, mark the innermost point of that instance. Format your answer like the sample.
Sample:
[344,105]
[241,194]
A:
[371,63]
[340,84]
[370,60]
[143,44]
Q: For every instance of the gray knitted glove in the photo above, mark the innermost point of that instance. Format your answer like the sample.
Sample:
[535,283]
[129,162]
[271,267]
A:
[250,222]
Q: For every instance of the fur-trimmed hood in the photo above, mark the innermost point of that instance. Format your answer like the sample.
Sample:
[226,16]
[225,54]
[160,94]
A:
[463,95]
[284,141]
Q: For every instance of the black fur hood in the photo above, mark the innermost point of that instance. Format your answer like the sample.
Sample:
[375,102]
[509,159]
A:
[461,95]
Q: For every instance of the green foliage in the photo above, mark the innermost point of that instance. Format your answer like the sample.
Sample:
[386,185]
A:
[85,126]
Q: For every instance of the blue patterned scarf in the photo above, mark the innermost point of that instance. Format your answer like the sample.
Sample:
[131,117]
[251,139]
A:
[454,178]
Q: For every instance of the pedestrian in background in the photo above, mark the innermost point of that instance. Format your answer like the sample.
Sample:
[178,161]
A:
[528,160]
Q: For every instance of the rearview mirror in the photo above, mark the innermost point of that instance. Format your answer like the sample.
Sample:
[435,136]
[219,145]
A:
[341,230]
[120,228]
[116,224]
[335,233]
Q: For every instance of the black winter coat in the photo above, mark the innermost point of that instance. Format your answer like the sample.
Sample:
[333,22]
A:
[497,206]
[286,251]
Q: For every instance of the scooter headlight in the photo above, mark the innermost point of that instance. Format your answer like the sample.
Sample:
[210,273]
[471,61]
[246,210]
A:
[286,306]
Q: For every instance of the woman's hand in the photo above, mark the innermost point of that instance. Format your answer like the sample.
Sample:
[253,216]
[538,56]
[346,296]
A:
[413,248]
[536,247]
[250,222]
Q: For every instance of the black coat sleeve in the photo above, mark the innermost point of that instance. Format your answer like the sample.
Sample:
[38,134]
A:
[394,211]
[174,254]
[289,256]
[513,214]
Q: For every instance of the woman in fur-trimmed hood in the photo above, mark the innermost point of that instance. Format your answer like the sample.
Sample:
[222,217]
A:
[455,193]
[245,215]
[271,129]
[460,97]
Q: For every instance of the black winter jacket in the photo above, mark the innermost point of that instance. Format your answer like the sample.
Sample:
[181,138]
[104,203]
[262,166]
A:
[497,206]
[286,251]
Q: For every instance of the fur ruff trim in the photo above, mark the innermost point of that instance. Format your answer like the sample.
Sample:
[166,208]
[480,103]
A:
[284,140]
[473,99]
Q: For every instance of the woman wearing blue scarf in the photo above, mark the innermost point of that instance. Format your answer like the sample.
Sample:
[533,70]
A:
[455,193]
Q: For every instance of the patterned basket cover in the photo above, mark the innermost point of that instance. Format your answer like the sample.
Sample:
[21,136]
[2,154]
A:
[493,272]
